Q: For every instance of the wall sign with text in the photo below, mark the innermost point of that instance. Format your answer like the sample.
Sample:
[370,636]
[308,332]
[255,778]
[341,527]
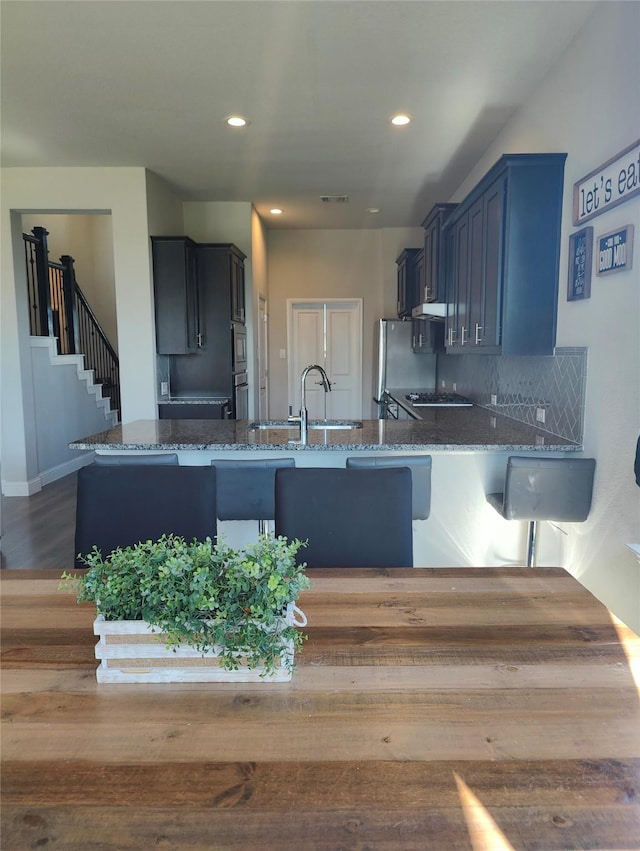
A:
[580,252]
[611,184]
[615,251]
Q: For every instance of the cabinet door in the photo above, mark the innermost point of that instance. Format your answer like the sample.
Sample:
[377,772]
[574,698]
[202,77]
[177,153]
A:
[470,334]
[176,295]
[427,337]
[429,262]
[237,289]
[435,257]
[402,288]
[417,291]
[493,216]
[418,335]
[434,284]
[458,297]
[410,277]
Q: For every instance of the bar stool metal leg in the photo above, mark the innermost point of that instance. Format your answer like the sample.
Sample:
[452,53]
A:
[531,544]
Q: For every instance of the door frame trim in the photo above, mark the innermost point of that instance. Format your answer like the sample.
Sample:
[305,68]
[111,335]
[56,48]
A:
[292,304]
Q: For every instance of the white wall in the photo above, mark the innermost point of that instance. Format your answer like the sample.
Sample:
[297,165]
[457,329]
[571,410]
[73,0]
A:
[121,192]
[66,409]
[164,208]
[589,106]
[331,264]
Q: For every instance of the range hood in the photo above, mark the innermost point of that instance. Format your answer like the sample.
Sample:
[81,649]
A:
[430,310]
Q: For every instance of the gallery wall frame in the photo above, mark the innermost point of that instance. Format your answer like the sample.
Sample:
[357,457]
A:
[614,251]
[612,183]
[580,259]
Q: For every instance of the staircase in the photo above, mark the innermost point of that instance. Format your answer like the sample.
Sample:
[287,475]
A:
[85,378]
[60,311]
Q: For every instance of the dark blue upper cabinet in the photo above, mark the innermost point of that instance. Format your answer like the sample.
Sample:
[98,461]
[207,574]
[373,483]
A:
[502,247]
[410,280]
[434,265]
[177,302]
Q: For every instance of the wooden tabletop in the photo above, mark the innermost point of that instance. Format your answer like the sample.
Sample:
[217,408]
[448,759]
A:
[452,708]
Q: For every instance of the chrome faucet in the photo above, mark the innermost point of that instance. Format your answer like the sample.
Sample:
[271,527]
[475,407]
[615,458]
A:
[303,417]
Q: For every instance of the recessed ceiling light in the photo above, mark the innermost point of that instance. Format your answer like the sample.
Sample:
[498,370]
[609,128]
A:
[373,209]
[276,211]
[401,119]
[236,121]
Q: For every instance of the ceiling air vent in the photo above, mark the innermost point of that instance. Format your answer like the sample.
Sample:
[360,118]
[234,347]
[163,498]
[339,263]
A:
[334,199]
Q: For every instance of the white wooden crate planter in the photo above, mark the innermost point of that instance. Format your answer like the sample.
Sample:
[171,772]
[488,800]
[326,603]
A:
[135,652]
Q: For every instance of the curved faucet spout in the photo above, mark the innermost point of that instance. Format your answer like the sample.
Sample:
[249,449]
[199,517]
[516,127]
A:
[325,379]
[303,396]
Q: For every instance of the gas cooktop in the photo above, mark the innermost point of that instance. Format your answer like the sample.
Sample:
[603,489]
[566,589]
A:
[432,400]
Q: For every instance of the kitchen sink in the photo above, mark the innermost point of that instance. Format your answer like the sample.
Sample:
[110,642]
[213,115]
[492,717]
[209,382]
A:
[312,425]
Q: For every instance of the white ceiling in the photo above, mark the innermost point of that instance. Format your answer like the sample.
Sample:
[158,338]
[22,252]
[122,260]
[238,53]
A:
[149,82]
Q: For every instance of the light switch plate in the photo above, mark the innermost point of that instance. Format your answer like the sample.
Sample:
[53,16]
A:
[164,388]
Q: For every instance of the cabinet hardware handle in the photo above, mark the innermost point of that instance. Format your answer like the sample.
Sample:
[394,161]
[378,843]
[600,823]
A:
[478,337]
[420,341]
[462,339]
[199,338]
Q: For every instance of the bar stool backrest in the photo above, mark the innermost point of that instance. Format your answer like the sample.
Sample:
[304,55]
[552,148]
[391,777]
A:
[557,489]
[420,466]
[246,488]
[350,517]
[120,505]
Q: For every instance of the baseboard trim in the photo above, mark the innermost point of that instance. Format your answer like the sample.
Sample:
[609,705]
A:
[62,470]
[28,488]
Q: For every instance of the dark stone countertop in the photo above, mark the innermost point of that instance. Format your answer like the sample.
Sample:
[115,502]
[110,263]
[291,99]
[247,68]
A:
[439,429]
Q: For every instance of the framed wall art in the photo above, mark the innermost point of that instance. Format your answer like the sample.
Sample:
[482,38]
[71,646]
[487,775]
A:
[580,255]
[615,251]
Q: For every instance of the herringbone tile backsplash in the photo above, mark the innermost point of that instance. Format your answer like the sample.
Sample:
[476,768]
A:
[524,384]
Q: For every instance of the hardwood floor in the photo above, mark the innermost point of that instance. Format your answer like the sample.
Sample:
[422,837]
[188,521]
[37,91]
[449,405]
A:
[38,531]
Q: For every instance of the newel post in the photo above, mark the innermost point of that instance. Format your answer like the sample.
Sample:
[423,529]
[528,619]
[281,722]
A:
[45,317]
[70,309]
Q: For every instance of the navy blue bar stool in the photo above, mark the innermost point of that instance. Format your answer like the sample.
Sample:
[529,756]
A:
[246,489]
[350,518]
[121,505]
[420,466]
[558,489]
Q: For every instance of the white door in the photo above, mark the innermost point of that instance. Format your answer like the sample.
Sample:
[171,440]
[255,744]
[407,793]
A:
[263,360]
[328,333]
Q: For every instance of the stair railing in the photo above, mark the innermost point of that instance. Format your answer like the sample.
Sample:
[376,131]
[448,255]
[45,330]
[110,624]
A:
[59,308]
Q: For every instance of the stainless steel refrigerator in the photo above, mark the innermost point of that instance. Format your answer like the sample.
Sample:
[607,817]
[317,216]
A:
[398,366]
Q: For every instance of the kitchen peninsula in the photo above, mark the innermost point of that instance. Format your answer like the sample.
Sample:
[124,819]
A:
[439,430]
[469,447]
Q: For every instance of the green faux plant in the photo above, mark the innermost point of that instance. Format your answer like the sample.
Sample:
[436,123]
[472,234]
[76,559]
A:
[203,594]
